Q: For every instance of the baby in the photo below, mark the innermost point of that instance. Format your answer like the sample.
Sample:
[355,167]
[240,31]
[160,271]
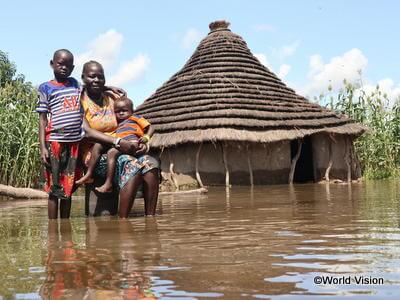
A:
[130,127]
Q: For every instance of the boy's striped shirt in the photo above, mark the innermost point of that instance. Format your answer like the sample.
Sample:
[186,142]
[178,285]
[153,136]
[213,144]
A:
[61,101]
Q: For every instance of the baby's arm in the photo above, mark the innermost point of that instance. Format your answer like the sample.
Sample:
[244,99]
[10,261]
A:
[44,153]
[148,133]
[96,136]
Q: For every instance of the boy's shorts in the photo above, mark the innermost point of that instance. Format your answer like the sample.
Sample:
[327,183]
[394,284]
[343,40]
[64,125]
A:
[63,170]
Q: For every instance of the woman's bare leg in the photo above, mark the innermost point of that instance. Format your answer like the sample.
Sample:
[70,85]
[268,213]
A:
[150,192]
[127,195]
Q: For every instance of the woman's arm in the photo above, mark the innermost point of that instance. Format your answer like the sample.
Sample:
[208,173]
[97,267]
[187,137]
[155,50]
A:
[99,137]
[120,92]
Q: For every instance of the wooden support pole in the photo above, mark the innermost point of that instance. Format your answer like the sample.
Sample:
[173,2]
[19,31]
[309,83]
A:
[197,165]
[355,161]
[249,165]
[161,152]
[346,158]
[294,160]
[328,169]
[171,170]
[225,164]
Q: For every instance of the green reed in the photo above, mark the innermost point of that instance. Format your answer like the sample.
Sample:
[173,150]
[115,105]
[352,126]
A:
[379,149]
[19,151]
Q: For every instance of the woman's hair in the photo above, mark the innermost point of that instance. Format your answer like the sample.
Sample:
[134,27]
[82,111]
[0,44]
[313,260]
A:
[89,63]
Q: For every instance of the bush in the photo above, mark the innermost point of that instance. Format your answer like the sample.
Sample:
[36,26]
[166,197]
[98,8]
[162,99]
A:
[378,150]
[19,154]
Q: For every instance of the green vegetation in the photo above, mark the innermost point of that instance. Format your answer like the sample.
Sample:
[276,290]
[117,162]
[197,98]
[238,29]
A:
[19,153]
[378,150]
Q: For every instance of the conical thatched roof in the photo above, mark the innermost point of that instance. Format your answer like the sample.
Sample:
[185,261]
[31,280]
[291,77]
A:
[224,93]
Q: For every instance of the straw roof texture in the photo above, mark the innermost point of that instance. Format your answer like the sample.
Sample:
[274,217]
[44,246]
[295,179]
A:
[224,93]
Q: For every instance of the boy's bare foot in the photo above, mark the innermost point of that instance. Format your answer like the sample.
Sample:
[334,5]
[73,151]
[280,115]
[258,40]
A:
[87,178]
[105,188]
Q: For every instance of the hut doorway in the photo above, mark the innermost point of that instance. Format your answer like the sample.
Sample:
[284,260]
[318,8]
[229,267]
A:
[304,171]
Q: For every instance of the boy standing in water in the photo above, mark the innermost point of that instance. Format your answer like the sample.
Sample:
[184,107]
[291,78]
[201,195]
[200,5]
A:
[60,131]
[130,127]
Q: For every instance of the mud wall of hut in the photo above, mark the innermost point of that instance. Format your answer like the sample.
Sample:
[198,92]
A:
[268,163]
[338,152]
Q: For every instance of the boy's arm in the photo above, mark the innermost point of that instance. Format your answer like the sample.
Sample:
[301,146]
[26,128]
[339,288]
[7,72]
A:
[44,153]
[112,91]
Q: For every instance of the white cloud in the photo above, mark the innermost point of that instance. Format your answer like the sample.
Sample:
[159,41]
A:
[191,38]
[130,71]
[386,86]
[347,66]
[283,71]
[264,27]
[286,51]
[262,59]
[105,49]
[289,50]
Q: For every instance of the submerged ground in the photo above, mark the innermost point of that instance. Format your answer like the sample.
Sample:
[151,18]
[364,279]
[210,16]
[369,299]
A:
[268,243]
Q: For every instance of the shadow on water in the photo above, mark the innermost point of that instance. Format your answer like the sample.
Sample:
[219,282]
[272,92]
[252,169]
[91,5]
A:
[264,242]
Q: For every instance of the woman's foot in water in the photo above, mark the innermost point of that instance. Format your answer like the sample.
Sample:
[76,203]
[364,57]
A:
[87,178]
[105,188]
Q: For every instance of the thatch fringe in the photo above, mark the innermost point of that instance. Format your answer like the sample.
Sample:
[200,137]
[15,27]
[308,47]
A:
[253,124]
[175,138]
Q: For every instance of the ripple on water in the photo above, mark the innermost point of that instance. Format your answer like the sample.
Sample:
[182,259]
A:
[268,242]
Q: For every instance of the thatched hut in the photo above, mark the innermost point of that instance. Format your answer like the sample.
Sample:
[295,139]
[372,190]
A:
[225,118]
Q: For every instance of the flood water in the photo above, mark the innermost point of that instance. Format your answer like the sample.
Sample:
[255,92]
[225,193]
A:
[274,242]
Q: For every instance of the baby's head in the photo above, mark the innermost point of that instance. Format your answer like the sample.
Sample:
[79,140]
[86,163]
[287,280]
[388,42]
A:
[123,108]
[62,64]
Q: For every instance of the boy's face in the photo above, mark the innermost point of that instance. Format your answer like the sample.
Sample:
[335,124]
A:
[93,78]
[63,65]
[123,110]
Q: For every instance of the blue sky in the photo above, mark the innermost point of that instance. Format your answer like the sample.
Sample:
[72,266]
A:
[309,44]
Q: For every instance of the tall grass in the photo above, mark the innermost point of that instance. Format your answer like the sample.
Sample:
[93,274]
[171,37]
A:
[19,151]
[378,150]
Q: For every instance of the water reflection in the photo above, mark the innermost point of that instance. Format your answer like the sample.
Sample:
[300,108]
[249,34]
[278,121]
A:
[265,242]
[102,268]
